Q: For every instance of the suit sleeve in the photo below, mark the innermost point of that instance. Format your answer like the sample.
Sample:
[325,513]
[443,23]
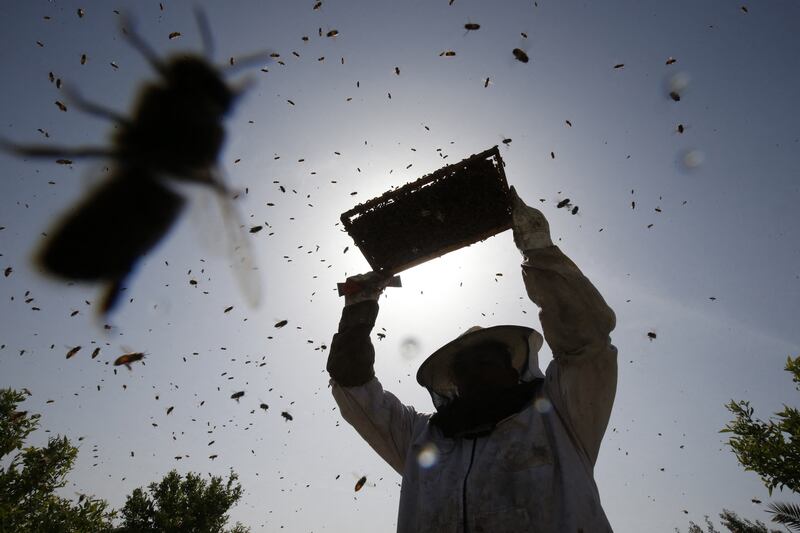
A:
[377,415]
[582,379]
[380,418]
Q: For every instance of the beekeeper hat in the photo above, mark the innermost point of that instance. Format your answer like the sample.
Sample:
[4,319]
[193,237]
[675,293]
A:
[523,343]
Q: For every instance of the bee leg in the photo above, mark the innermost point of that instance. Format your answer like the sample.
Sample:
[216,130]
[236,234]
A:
[205,32]
[94,109]
[213,178]
[111,296]
[129,31]
[242,62]
[57,151]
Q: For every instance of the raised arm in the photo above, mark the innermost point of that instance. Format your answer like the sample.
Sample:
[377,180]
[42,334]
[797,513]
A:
[582,379]
[379,417]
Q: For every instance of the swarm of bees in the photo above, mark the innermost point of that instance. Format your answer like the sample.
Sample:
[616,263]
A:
[174,133]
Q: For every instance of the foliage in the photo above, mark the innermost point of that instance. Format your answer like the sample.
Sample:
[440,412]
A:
[733,523]
[177,504]
[785,513]
[28,501]
[771,449]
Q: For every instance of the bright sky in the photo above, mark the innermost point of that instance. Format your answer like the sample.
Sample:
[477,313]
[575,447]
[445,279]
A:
[716,276]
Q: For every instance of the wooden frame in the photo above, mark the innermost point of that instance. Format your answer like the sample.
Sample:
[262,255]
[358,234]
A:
[453,207]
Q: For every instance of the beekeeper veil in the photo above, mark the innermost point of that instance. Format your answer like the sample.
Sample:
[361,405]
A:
[523,344]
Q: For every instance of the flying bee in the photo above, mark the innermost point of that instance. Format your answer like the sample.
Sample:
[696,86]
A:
[471,26]
[360,483]
[520,55]
[73,351]
[128,358]
[173,135]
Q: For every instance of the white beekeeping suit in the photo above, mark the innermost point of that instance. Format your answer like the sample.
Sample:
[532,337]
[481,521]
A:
[527,465]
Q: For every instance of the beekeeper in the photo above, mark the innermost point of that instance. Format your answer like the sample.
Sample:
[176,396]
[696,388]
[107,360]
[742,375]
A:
[509,449]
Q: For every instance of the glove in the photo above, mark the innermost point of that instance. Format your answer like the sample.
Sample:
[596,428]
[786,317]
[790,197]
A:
[373,284]
[530,227]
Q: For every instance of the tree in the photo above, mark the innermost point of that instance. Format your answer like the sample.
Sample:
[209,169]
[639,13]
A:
[785,513]
[28,501]
[733,523]
[771,449]
[177,504]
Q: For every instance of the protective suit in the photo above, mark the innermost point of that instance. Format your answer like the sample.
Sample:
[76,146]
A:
[524,459]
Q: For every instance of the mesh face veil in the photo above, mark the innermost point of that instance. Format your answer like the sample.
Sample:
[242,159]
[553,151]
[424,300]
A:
[523,344]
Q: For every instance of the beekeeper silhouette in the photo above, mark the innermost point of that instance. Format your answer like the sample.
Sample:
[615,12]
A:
[509,448]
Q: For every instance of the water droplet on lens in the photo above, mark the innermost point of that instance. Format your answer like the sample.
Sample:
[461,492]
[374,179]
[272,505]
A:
[409,348]
[692,159]
[543,405]
[428,455]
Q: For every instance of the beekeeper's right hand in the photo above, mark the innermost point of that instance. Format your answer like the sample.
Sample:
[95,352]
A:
[373,285]
[352,356]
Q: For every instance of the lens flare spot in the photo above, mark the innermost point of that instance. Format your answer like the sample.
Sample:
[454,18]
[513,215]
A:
[679,82]
[428,455]
[543,405]
[409,348]
[692,159]
[676,85]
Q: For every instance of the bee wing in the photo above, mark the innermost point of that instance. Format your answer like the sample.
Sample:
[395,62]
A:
[205,215]
[240,252]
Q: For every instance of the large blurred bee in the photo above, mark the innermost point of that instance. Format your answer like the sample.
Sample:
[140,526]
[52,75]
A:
[174,134]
